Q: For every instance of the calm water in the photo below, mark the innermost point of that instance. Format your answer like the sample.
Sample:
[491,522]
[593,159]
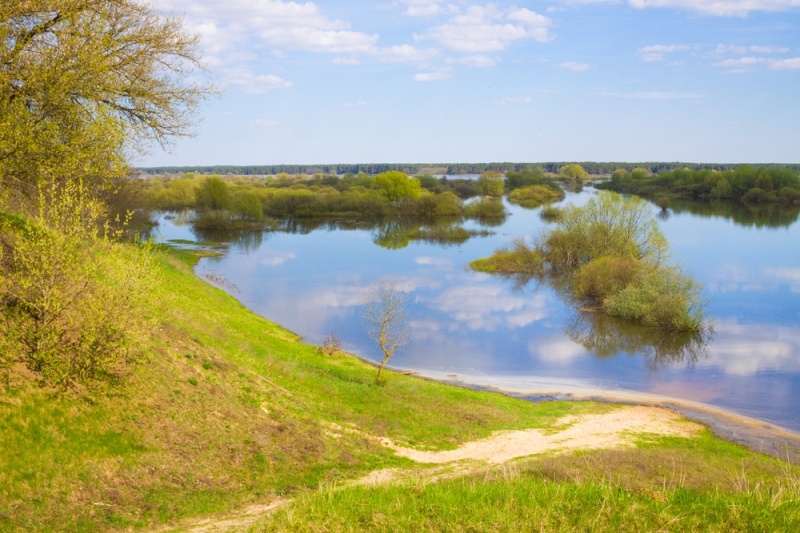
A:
[473,324]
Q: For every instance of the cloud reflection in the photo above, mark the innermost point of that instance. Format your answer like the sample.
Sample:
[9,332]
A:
[489,306]
[746,349]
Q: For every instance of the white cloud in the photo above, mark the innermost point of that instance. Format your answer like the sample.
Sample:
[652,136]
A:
[438,262]
[576,67]
[557,351]
[781,64]
[489,29]
[433,76]
[656,52]
[489,306]
[790,275]
[659,95]
[719,7]
[354,104]
[768,49]
[255,84]
[514,100]
[273,257]
[346,61]
[267,124]
[424,8]
[474,61]
[402,54]
[741,62]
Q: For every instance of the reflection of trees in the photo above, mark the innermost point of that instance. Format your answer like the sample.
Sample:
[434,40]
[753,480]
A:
[246,240]
[396,234]
[392,235]
[607,336]
[745,214]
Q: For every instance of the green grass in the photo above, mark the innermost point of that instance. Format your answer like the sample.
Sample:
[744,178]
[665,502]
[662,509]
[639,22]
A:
[227,409]
[195,243]
[519,501]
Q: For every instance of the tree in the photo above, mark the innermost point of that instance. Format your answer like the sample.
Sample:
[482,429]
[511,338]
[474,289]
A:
[213,194]
[608,225]
[491,183]
[396,186]
[383,311]
[572,171]
[83,82]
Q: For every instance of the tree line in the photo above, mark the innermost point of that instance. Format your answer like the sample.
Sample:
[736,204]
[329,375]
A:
[592,167]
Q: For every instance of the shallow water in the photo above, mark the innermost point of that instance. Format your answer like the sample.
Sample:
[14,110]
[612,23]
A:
[466,323]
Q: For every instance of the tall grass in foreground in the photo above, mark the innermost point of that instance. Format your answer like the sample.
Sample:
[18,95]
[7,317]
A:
[518,501]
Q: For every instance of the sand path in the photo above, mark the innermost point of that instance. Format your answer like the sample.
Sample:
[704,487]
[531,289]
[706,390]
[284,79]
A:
[617,428]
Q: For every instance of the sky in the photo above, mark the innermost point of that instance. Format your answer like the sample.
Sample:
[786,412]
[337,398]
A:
[434,81]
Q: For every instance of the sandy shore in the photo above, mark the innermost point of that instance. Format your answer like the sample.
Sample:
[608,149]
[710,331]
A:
[754,434]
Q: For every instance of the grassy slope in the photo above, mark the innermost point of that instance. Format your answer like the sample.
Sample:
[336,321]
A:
[229,409]
[196,429]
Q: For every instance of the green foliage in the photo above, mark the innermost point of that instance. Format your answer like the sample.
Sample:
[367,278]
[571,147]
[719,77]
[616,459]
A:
[606,276]
[71,297]
[550,213]
[396,186]
[744,183]
[572,172]
[485,208]
[491,183]
[528,177]
[534,196]
[610,253]
[213,194]
[663,202]
[662,298]
[516,259]
[81,81]
[513,498]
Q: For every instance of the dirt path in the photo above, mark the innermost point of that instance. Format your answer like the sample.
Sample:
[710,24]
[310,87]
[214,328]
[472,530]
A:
[589,432]
[618,428]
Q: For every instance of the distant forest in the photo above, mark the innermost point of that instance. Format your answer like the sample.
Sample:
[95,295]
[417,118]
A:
[445,168]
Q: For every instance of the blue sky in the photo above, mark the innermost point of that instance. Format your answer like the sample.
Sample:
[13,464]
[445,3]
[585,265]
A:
[361,81]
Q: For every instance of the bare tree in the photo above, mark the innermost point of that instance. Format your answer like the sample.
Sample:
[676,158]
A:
[383,310]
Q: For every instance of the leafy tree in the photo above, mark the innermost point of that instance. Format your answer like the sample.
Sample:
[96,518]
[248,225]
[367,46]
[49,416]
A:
[491,183]
[383,311]
[213,194]
[573,172]
[84,81]
[396,186]
[71,297]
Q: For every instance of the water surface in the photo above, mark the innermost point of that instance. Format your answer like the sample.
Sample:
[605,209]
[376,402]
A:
[466,323]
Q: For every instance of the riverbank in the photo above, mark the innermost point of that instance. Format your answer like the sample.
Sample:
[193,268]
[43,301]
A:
[227,410]
[754,434]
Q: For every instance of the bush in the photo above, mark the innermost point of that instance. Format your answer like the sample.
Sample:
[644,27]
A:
[213,194]
[485,208]
[519,258]
[71,296]
[550,213]
[665,298]
[606,276]
[534,196]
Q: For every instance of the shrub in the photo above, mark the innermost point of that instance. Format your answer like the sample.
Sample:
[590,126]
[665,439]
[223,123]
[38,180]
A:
[519,258]
[664,298]
[550,213]
[213,194]
[534,196]
[71,297]
[485,208]
[606,276]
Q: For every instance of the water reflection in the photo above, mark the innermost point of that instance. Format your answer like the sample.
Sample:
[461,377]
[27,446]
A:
[744,214]
[606,336]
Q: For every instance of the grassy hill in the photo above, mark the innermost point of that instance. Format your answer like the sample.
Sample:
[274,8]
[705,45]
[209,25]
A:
[227,409]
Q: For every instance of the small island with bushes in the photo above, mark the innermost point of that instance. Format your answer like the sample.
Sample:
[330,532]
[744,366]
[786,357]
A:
[607,256]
